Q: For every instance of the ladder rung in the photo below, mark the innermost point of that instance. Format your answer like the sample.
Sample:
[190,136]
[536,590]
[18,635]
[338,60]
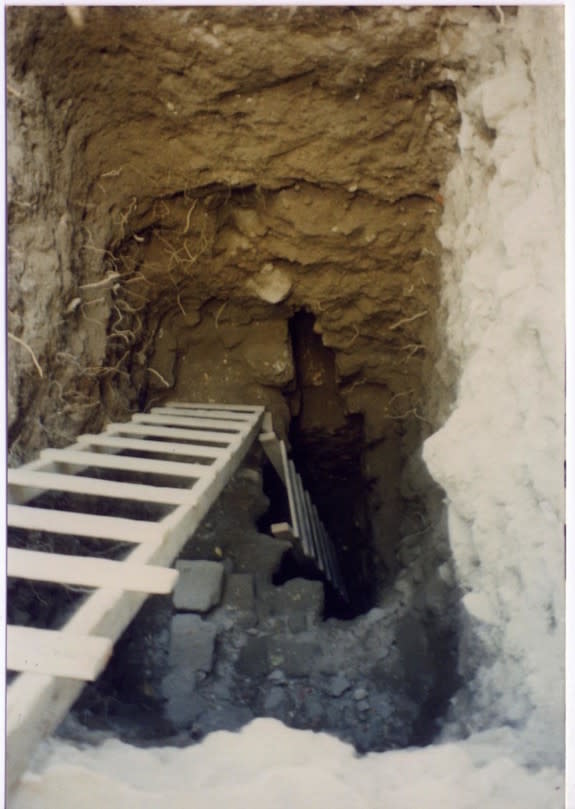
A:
[216,415]
[46,651]
[85,525]
[202,422]
[139,445]
[86,571]
[125,463]
[219,428]
[249,409]
[282,530]
[200,450]
[52,481]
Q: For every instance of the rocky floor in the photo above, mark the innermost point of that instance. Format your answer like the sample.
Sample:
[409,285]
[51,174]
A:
[230,646]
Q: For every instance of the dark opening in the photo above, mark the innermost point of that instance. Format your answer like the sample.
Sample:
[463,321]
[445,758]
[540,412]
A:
[326,446]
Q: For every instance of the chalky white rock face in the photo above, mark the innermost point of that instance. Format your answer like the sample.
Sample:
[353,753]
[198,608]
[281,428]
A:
[500,460]
[500,454]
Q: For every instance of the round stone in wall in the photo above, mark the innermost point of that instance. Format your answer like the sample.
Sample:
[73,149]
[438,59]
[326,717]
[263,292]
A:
[271,284]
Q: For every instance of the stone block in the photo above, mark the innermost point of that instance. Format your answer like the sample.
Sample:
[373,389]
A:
[254,660]
[239,592]
[224,717]
[296,658]
[267,352]
[179,683]
[338,685]
[299,601]
[297,622]
[275,700]
[184,709]
[192,643]
[199,587]
[257,553]
[239,599]
[301,595]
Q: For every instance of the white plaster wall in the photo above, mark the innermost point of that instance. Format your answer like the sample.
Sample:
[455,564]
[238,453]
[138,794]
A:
[500,460]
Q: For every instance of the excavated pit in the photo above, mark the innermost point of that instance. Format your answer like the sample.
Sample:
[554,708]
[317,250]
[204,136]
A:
[241,220]
[327,447]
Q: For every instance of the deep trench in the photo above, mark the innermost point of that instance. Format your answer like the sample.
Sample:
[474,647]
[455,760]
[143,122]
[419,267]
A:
[182,270]
[328,447]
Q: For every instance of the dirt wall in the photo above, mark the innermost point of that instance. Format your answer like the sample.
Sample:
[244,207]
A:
[169,215]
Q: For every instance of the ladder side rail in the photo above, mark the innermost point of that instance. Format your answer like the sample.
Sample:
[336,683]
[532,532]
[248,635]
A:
[338,578]
[290,492]
[299,510]
[318,539]
[309,527]
[325,540]
[326,544]
[272,448]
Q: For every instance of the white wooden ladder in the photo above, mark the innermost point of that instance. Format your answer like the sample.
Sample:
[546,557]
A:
[205,445]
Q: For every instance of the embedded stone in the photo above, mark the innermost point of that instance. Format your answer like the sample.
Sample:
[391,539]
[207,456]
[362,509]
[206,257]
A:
[199,587]
[192,643]
[238,602]
[295,657]
[239,592]
[271,284]
[338,685]
[275,699]
[299,601]
[253,659]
